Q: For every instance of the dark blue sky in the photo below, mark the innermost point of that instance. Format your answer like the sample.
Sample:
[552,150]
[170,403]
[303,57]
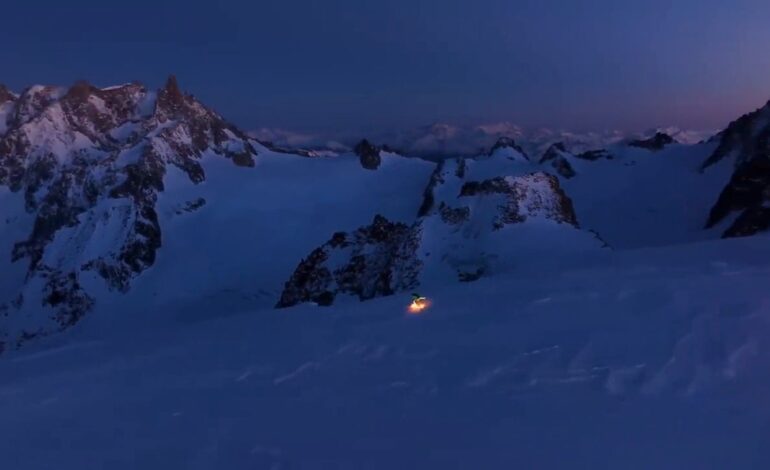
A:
[364,65]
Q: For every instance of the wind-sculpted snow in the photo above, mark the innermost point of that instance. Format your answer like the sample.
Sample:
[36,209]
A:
[653,358]
[90,163]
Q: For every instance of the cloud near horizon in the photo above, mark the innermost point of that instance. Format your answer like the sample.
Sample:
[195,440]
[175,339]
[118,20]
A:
[443,139]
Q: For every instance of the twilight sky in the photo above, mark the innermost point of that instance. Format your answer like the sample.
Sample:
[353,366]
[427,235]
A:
[362,65]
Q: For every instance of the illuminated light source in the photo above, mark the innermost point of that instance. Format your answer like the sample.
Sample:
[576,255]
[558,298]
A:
[418,305]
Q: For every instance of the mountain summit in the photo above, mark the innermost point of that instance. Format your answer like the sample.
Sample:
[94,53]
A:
[90,163]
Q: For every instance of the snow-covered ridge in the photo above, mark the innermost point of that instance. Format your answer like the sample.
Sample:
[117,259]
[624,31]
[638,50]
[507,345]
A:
[89,162]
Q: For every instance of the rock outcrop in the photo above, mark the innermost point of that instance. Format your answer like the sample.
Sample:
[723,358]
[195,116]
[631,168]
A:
[558,158]
[654,143]
[593,155]
[372,261]
[746,142]
[507,143]
[369,155]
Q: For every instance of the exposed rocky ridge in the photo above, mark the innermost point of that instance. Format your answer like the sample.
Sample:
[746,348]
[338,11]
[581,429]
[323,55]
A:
[507,142]
[369,154]
[747,141]
[372,261]
[747,192]
[654,143]
[557,156]
[428,199]
[5,94]
[84,157]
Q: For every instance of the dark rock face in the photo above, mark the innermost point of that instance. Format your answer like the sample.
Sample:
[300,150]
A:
[428,200]
[65,150]
[749,193]
[654,143]
[5,95]
[65,293]
[191,206]
[747,140]
[507,142]
[369,155]
[373,261]
[556,155]
[593,155]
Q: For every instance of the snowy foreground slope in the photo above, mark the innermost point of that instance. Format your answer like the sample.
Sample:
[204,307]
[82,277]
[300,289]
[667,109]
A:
[653,358]
[177,294]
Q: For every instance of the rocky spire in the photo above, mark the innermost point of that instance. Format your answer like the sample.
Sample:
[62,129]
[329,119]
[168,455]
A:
[170,97]
[554,151]
[369,155]
[5,94]
[172,87]
[79,91]
[507,142]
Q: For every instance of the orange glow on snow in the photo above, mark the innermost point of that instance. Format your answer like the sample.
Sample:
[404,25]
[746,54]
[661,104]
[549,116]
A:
[418,306]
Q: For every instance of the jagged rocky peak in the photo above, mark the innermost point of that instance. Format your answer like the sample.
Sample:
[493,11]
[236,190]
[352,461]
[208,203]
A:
[87,157]
[373,261]
[6,95]
[369,154]
[507,143]
[654,143]
[557,156]
[95,112]
[171,100]
[555,150]
[747,141]
[33,101]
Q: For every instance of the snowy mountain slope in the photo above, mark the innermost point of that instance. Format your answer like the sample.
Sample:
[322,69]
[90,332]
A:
[653,358]
[89,163]
[495,213]
[235,253]
[643,197]
[478,217]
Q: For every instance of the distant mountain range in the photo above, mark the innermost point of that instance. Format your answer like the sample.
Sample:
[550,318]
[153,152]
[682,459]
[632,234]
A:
[441,140]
